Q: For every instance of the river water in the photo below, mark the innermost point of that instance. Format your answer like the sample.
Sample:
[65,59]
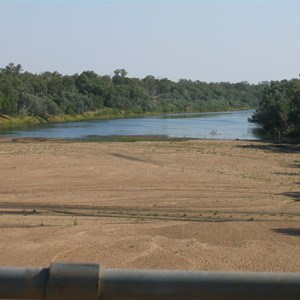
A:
[217,125]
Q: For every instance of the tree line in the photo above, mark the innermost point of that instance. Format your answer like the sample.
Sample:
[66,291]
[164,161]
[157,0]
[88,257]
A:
[278,109]
[53,94]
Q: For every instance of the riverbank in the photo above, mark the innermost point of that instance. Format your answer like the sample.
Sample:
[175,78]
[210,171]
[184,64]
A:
[198,204]
[10,122]
[103,114]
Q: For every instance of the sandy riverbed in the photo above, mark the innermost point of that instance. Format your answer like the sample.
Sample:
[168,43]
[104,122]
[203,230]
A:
[205,205]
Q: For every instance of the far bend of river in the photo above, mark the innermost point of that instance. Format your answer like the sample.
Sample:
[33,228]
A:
[220,125]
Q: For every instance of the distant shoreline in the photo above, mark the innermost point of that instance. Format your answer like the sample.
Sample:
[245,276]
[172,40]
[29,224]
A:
[8,122]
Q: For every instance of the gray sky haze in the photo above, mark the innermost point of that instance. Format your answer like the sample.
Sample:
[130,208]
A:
[200,40]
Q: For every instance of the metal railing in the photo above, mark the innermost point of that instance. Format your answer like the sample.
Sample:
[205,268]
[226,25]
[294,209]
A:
[64,281]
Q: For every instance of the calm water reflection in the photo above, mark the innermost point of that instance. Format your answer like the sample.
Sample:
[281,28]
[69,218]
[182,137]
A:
[223,125]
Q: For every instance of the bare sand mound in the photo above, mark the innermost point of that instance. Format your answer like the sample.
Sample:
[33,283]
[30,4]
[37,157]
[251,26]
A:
[207,205]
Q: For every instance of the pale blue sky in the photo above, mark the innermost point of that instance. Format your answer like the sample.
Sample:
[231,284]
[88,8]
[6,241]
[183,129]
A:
[200,40]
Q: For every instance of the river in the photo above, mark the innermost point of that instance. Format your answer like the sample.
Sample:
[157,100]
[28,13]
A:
[216,125]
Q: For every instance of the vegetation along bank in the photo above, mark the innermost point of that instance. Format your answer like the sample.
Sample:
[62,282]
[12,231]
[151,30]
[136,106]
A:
[27,98]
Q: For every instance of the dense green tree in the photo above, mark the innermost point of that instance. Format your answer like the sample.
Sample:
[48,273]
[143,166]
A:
[119,76]
[51,94]
[279,108]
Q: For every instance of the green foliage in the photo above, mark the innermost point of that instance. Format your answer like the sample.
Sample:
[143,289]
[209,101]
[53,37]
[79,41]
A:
[52,95]
[279,109]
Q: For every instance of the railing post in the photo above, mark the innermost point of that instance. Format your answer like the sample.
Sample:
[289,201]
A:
[73,282]
[23,283]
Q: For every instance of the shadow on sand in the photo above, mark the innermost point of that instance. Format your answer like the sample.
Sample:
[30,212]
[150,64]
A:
[288,231]
[274,147]
[294,195]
